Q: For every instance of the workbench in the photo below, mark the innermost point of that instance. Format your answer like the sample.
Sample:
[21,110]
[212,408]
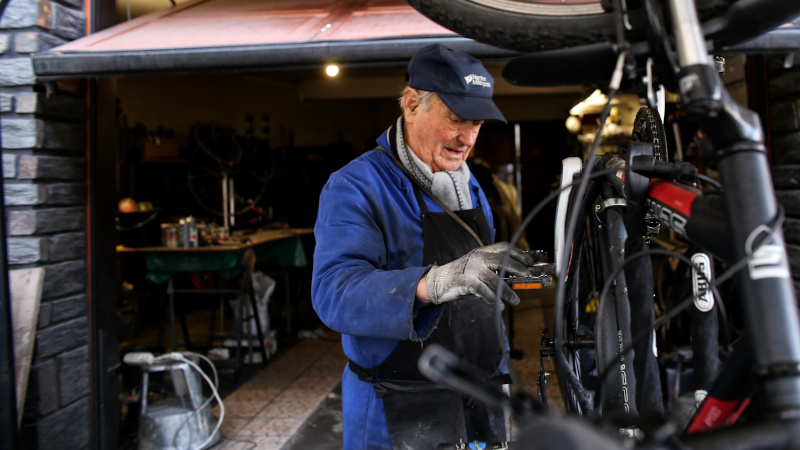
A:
[282,249]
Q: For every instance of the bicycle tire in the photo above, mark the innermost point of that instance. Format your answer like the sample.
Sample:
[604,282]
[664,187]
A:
[574,306]
[528,27]
[589,269]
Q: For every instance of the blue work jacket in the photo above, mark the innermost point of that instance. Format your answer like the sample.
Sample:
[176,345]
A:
[367,263]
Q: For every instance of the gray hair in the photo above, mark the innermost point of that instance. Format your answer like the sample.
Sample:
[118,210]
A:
[424,97]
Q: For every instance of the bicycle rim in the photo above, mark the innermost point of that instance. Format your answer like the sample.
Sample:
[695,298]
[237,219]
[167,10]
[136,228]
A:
[530,26]
[580,285]
[580,8]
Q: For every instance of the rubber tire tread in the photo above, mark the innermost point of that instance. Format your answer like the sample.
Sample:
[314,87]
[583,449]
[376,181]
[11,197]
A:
[530,33]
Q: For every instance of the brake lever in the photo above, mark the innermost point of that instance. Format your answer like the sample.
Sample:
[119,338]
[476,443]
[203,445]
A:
[648,166]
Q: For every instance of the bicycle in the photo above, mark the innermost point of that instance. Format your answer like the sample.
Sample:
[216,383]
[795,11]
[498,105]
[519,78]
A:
[628,195]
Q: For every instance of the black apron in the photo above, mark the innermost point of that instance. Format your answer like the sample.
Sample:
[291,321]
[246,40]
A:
[420,414]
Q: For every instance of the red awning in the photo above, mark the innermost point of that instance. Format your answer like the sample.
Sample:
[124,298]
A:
[238,35]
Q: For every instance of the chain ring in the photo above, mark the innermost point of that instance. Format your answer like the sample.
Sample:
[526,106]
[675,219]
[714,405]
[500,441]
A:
[649,128]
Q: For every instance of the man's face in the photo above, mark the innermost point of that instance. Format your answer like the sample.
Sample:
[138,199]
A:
[440,138]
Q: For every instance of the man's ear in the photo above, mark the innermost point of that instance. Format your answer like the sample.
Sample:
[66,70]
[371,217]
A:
[411,104]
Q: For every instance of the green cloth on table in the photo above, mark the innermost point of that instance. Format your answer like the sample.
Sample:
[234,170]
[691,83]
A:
[228,264]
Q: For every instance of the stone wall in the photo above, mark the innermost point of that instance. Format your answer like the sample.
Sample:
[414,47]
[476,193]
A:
[44,172]
[784,99]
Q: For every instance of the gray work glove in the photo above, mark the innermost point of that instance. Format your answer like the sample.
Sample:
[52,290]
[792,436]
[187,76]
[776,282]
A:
[475,274]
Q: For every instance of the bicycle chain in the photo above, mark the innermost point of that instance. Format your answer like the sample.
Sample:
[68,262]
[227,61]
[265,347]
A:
[648,128]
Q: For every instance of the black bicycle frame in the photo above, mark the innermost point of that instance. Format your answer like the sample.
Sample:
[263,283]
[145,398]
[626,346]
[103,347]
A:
[738,224]
[732,143]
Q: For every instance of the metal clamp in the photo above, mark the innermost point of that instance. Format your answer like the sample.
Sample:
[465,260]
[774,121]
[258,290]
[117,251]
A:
[611,202]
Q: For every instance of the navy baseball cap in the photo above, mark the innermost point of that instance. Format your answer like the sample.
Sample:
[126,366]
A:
[460,80]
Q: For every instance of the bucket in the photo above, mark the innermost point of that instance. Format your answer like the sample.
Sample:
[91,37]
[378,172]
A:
[139,228]
[183,420]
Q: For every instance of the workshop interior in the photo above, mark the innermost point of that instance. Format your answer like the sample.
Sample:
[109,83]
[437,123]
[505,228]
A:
[214,161]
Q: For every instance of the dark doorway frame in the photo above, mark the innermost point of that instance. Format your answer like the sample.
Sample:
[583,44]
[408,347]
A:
[101,254]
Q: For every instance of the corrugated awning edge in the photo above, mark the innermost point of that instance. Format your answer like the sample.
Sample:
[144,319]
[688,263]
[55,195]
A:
[53,65]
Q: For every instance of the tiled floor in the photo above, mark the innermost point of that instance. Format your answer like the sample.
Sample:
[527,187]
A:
[268,410]
[294,402]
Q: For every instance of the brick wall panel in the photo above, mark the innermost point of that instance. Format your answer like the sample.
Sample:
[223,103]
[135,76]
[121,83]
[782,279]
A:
[794,257]
[17,72]
[20,14]
[784,90]
[19,194]
[28,132]
[69,308]
[9,165]
[73,373]
[62,337]
[19,133]
[67,428]
[66,246]
[786,177]
[66,22]
[791,230]
[44,17]
[65,278]
[790,200]
[34,41]
[44,165]
[26,250]
[6,102]
[45,315]
[61,136]
[32,167]
[38,221]
[784,117]
[43,393]
[55,105]
[21,223]
[76,4]
[786,149]
[25,102]
[785,83]
[64,194]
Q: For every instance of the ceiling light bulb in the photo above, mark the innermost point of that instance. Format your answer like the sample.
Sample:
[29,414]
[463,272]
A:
[332,70]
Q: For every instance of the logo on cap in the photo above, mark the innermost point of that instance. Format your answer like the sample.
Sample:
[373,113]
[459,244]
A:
[477,80]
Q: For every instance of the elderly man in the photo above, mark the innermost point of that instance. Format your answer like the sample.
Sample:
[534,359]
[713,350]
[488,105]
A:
[402,262]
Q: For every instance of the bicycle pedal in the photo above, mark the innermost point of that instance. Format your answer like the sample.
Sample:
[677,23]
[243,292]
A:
[526,283]
[539,256]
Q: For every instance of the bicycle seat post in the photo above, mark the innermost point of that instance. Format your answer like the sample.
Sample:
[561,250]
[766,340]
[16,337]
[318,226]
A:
[688,34]
[698,83]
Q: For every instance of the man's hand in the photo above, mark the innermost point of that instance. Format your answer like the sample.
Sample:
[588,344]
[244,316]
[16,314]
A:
[475,274]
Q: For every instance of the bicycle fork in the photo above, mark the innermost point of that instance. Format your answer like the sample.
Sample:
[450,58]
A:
[618,390]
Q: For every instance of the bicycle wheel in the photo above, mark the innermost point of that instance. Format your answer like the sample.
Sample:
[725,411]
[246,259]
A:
[535,25]
[221,156]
